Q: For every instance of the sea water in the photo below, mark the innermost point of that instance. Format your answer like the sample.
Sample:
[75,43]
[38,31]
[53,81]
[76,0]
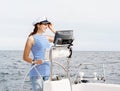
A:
[13,68]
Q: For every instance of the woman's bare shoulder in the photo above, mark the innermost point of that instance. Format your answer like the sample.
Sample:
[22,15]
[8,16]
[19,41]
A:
[30,39]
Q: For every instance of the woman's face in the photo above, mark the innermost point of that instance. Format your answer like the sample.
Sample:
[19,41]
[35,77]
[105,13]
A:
[42,27]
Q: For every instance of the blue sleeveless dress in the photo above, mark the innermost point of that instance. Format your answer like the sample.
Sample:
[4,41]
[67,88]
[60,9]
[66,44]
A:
[38,51]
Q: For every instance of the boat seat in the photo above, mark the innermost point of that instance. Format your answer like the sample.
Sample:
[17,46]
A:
[57,85]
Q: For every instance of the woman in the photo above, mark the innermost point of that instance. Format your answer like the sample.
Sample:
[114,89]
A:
[37,43]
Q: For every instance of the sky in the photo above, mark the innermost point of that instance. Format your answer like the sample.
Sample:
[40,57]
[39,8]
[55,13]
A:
[96,23]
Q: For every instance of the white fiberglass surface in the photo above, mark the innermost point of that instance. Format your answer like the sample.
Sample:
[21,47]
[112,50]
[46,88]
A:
[95,87]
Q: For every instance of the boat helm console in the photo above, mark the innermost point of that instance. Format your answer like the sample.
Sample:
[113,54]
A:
[63,37]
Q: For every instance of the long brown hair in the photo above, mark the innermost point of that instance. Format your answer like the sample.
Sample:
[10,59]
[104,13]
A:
[34,30]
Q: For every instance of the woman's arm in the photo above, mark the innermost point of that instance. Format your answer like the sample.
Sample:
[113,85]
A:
[27,49]
[50,26]
[51,38]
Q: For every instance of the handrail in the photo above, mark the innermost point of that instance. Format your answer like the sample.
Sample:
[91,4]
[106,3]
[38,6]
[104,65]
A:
[95,74]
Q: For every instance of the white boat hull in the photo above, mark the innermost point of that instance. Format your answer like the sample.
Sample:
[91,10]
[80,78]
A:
[95,87]
[64,85]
